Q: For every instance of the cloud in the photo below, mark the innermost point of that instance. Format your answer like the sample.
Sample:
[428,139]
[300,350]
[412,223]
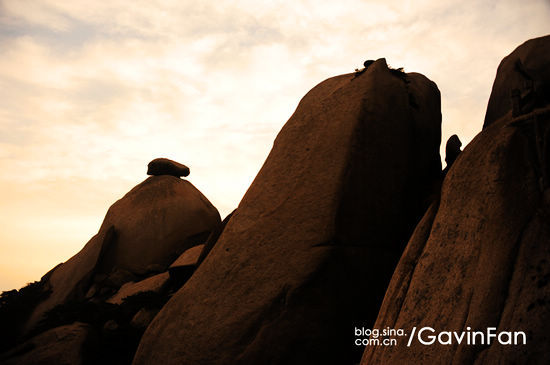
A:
[90,92]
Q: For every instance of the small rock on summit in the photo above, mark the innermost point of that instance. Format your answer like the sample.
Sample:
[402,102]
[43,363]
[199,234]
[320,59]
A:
[164,166]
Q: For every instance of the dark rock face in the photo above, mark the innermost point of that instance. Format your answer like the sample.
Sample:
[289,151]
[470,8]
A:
[482,257]
[165,210]
[182,269]
[151,225]
[312,245]
[452,149]
[156,283]
[213,238]
[164,166]
[65,345]
[522,82]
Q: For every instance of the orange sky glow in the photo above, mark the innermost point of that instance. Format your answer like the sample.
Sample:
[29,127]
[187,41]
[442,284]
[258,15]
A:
[90,92]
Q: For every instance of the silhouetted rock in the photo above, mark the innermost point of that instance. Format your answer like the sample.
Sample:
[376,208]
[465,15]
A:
[314,241]
[65,345]
[482,258]
[452,150]
[16,306]
[164,166]
[155,222]
[71,279]
[155,283]
[522,82]
[151,225]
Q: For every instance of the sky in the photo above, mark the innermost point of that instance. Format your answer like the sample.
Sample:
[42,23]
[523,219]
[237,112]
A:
[91,91]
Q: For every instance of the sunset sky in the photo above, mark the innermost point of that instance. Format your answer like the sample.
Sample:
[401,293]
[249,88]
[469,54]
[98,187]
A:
[91,91]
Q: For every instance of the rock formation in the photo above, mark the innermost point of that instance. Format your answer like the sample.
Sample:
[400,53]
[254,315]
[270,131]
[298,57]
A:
[308,254]
[452,150]
[145,231]
[522,82]
[184,266]
[155,284]
[65,345]
[165,210]
[164,166]
[314,241]
[72,278]
[213,238]
[481,257]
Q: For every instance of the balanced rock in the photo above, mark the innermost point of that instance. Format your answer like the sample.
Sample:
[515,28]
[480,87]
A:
[155,222]
[164,166]
[522,82]
[481,258]
[151,225]
[312,245]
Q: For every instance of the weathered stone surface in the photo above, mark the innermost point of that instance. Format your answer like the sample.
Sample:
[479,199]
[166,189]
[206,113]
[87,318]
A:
[65,345]
[152,224]
[313,243]
[156,221]
[213,238]
[188,258]
[484,261]
[522,82]
[155,283]
[164,166]
[182,269]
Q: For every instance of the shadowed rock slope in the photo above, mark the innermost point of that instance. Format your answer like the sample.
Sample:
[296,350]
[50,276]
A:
[313,243]
[143,233]
[481,258]
[65,345]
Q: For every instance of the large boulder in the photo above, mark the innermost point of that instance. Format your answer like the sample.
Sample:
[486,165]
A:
[313,243]
[65,345]
[155,222]
[522,82]
[149,227]
[481,259]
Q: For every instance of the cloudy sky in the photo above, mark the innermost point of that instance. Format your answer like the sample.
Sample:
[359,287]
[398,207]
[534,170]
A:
[91,91]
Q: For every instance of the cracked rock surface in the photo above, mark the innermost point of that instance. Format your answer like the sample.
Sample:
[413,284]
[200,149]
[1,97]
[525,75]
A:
[312,245]
[481,257]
